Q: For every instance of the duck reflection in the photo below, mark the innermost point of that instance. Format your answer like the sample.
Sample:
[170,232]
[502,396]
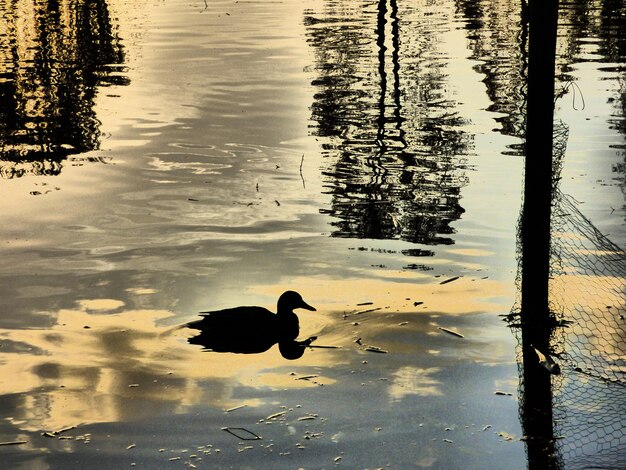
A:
[251,330]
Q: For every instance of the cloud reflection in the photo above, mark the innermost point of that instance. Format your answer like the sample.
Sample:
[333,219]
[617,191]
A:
[97,366]
[414,381]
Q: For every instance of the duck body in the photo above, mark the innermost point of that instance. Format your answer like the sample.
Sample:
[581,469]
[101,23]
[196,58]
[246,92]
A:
[249,329]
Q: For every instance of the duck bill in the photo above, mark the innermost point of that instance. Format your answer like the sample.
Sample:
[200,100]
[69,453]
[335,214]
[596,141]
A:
[306,306]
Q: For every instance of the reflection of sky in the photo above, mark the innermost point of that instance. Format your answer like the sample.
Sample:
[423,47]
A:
[100,359]
[415,381]
[177,224]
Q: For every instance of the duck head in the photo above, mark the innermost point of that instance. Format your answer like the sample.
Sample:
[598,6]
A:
[291,300]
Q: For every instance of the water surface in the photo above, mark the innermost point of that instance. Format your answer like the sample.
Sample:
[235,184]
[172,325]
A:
[171,157]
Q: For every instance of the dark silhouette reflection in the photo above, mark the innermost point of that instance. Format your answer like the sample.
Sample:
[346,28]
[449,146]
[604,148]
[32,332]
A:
[497,31]
[53,56]
[497,34]
[251,330]
[537,318]
[571,414]
[393,138]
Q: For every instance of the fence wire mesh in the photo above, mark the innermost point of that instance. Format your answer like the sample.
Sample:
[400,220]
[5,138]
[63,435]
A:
[587,297]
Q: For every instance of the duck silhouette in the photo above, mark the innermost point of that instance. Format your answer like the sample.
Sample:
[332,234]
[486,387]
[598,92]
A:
[251,330]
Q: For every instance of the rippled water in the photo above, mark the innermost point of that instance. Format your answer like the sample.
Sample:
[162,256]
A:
[169,157]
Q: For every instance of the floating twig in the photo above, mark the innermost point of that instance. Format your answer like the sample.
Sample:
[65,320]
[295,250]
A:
[307,377]
[301,176]
[243,434]
[454,333]
[13,443]
[450,280]
[368,311]
[234,408]
[276,415]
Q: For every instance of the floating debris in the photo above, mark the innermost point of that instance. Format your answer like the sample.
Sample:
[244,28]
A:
[403,323]
[131,446]
[376,349]
[450,280]
[415,304]
[276,415]
[454,333]
[449,441]
[488,426]
[13,443]
[56,433]
[306,377]
[62,430]
[306,418]
[547,362]
[235,408]
[242,433]
[364,303]
[499,392]
[301,175]
[133,385]
[368,311]
[338,458]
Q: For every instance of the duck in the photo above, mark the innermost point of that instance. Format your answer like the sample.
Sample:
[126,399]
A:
[251,329]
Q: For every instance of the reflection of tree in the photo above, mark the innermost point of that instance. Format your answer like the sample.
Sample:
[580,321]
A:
[394,138]
[52,56]
[497,34]
[497,38]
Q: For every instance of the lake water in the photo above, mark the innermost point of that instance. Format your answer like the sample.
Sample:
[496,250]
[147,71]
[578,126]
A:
[164,158]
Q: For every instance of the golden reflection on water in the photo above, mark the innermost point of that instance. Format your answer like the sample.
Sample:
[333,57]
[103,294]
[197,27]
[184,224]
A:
[96,366]
[465,295]
[100,360]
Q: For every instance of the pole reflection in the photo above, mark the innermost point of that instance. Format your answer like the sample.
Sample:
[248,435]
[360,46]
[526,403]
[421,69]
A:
[570,272]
